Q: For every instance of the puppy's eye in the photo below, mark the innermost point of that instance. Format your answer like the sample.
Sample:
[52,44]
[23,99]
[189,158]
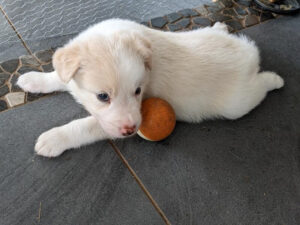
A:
[103,97]
[138,91]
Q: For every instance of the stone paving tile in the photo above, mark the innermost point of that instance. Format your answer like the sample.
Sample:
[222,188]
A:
[26,69]
[202,10]
[4,90]
[29,60]
[246,3]
[13,86]
[146,23]
[226,3]
[195,27]
[174,27]
[251,20]
[229,12]
[3,78]
[44,56]
[3,105]
[188,12]
[254,12]
[11,65]
[234,24]
[240,11]
[172,17]
[158,22]
[230,29]
[33,96]
[214,8]
[15,98]
[202,21]
[184,22]
[218,17]
[237,14]
[48,67]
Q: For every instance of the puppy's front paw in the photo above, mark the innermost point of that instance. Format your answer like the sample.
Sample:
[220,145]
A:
[51,143]
[32,82]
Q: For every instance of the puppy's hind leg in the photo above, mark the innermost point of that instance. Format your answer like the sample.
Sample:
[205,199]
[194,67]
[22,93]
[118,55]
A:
[252,93]
[38,82]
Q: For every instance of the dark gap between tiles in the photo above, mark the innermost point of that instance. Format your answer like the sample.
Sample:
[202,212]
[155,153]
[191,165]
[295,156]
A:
[139,182]
[17,33]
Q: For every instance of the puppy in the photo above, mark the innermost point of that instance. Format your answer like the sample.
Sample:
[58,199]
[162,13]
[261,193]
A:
[113,65]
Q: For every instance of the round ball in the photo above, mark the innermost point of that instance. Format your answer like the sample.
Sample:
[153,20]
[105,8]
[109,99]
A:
[158,119]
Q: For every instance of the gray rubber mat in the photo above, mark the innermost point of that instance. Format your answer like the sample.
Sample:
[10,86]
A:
[86,186]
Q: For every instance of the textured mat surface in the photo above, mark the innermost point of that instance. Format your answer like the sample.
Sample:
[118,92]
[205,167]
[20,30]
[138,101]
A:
[87,186]
[217,172]
[40,21]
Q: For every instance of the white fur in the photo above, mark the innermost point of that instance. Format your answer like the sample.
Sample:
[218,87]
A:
[203,74]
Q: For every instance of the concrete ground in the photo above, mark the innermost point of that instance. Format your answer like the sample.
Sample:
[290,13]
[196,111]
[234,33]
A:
[218,172]
[45,24]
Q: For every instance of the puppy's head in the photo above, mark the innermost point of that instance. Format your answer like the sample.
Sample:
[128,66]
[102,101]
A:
[108,76]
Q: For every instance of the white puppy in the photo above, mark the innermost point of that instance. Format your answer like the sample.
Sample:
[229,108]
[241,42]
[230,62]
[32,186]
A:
[110,67]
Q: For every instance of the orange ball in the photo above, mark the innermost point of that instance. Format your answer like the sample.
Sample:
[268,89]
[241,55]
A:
[158,119]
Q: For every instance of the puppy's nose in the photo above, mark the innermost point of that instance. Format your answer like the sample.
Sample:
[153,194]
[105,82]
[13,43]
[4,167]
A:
[128,130]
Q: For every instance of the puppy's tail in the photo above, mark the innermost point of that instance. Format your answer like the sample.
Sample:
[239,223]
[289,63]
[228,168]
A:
[271,80]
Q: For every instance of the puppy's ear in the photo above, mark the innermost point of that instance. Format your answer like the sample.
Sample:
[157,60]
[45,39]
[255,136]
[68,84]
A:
[66,62]
[138,43]
[143,47]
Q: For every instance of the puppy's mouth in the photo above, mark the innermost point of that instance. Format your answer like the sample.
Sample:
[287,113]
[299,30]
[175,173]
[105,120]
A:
[122,135]
[128,134]
[115,131]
